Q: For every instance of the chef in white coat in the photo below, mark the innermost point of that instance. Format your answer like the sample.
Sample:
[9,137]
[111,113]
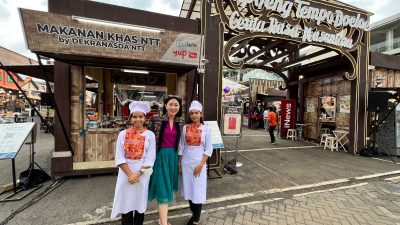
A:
[195,148]
[134,155]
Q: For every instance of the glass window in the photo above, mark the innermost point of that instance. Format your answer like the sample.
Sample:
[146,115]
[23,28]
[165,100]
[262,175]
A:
[9,79]
[1,75]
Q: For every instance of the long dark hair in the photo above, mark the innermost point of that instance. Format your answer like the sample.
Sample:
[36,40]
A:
[166,100]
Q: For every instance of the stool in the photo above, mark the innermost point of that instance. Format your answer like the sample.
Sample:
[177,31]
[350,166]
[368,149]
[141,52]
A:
[325,131]
[324,137]
[331,143]
[334,144]
[291,133]
[328,142]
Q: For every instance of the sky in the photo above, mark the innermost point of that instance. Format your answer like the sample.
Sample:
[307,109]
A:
[12,37]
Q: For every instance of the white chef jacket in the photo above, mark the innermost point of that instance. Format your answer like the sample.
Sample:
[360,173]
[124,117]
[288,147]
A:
[129,197]
[195,188]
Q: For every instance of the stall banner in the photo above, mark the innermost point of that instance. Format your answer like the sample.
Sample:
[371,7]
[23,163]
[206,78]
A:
[60,34]
[288,115]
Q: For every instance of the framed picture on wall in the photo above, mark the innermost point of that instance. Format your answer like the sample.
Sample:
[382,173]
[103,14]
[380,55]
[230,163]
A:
[344,104]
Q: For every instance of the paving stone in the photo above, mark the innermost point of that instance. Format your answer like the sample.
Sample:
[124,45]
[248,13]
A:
[342,207]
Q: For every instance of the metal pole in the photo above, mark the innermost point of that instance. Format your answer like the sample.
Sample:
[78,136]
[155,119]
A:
[14,178]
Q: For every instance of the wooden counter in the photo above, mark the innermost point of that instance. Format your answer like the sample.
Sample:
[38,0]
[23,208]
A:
[100,144]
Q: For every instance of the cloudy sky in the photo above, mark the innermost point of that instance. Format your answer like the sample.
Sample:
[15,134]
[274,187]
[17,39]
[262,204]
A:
[11,36]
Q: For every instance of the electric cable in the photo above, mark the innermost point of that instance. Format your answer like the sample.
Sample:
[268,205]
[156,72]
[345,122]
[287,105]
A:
[41,195]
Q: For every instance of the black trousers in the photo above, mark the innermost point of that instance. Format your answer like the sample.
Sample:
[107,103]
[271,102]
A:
[271,133]
[196,212]
[129,219]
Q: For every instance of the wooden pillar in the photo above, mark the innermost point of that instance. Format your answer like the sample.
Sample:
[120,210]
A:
[77,112]
[190,90]
[211,82]
[182,91]
[171,83]
[108,93]
[61,96]
[300,116]
[359,98]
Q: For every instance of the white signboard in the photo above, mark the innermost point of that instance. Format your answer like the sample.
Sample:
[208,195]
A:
[232,124]
[232,120]
[12,137]
[216,137]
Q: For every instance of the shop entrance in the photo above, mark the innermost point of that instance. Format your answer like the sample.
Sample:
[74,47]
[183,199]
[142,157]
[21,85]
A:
[107,93]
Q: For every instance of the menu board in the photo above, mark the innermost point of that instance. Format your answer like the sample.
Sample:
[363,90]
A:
[232,120]
[216,137]
[13,136]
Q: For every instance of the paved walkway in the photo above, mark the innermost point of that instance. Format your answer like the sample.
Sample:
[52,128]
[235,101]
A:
[365,203]
[269,172]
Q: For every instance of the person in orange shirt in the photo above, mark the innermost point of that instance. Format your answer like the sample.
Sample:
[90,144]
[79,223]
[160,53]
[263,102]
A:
[272,123]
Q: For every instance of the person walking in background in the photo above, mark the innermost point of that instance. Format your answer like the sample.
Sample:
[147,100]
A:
[134,155]
[195,148]
[265,117]
[272,123]
[164,180]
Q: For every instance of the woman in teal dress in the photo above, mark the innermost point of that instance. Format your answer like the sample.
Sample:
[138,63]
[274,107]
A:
[164,180]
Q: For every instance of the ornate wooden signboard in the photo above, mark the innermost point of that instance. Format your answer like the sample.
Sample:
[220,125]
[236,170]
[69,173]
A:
[304,22]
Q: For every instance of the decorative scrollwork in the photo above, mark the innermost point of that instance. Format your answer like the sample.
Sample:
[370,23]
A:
[291,21]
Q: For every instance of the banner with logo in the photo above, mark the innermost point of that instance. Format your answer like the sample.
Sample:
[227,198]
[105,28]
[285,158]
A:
[288,115]
[54,33]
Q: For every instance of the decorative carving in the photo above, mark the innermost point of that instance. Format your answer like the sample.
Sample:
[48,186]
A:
[255,31]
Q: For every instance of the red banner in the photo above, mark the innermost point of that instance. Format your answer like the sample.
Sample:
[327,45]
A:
[288,115]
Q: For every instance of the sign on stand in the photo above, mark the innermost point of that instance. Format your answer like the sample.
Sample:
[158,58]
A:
[216,137]
[217,143]
[232,127]
[232,120]
[13,136]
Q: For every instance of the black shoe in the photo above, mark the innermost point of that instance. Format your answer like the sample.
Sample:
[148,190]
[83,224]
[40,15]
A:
[190,222]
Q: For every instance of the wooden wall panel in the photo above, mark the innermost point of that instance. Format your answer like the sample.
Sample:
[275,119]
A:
[310,132]
[390,78]
[101,144]
[397,78]
[77,145]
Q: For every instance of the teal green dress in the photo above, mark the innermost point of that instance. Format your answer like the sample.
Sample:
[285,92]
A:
[164,180]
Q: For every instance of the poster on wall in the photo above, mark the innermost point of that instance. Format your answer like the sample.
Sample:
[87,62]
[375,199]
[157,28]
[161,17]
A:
[344,104]
[288,115]
[310,105]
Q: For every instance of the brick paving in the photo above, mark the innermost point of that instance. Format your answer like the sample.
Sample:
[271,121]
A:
[373,203]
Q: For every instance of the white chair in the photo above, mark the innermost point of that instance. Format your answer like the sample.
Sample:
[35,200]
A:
[325,131]
[334,145]
[328,143]
[292,134]
[324,137]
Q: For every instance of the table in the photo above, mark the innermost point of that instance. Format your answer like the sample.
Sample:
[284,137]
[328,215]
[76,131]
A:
[341,136]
